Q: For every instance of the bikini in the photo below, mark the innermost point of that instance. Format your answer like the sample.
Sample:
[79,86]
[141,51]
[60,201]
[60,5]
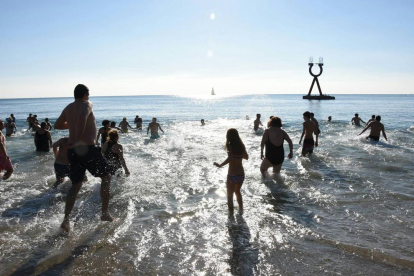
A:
[236,179]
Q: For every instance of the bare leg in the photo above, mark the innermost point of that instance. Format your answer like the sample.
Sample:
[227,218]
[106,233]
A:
[264,166]
[59,180]
[105,193]
[230,191]
[239,196]
[70,201]
[7,174]
[277,168]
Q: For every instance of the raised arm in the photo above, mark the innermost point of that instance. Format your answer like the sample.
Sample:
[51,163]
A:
[367,127]
[61,121]
[225,162]
[287,139]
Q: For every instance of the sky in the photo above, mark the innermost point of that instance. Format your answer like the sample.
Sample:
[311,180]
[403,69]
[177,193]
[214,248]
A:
[186,47]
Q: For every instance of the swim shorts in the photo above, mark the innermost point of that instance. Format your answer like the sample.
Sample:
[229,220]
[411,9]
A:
[82,158]
[61,171]
[375,138]
[124,130]
[308,145]
[235,179]
[5,165]
[155,136]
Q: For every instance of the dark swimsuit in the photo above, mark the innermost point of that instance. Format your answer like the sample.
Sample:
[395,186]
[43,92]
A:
[114,163]
[308,145]
[236,179]
[275,154]
[42,143]
[375,138]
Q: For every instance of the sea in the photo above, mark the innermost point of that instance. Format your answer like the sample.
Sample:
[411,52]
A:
[345,210]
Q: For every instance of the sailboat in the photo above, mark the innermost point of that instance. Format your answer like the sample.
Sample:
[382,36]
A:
[212,92]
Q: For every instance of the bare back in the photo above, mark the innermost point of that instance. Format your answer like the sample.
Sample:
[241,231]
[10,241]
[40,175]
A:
[275,134]
[81,123]
[376,128]
[309,128]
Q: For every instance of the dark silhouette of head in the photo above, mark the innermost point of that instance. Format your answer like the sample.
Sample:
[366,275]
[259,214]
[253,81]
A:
[378,118]
[373,117]
[80,91]
[233,142]
[43,125]
[275,122]
[113,136]
[106,123]
[307,114]
[356,115]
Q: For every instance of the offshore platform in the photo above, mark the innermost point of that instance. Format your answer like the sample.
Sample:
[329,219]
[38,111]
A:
[315,79]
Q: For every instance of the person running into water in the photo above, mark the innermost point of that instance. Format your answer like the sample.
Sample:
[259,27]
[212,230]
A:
[113,153]
[48,124]
[202,122]
[273,139]
[138,122]
[83,154]
[154,126]
[43,139]
[235,177]
[376,129]
[103,132]
[356,120]
[371,120]
[5,162]
[257,122]
[309,128]
[124,125]
[10,127]
[113,126]
[13,118]
[329,118]
[312,117]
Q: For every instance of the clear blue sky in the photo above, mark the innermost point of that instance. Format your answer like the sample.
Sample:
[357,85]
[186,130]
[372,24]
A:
[187,47]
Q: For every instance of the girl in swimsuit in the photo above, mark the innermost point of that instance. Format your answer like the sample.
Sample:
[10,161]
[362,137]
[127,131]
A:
[273,139]
[236,153]
[113,152]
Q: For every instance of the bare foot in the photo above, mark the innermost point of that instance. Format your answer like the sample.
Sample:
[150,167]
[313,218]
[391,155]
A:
[107,217]
[65,225]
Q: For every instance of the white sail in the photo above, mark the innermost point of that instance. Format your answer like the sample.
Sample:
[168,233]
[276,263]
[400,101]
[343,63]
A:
[212,91]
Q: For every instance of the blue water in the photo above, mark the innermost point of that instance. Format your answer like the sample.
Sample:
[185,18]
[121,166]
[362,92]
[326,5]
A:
[346,210]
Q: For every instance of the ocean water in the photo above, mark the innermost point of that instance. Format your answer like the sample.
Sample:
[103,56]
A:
[346,210]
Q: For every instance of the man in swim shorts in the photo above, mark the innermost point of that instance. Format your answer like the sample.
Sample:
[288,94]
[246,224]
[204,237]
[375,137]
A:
[376,129]
[309,128]
[154,126]
[5,162]
[356,120]
[257,122]
[83,153]
[124,125]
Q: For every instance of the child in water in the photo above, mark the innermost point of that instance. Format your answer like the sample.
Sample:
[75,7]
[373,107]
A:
[236,153]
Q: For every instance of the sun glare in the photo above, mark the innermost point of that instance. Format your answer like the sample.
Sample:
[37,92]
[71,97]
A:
[212,16]
[210,53]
